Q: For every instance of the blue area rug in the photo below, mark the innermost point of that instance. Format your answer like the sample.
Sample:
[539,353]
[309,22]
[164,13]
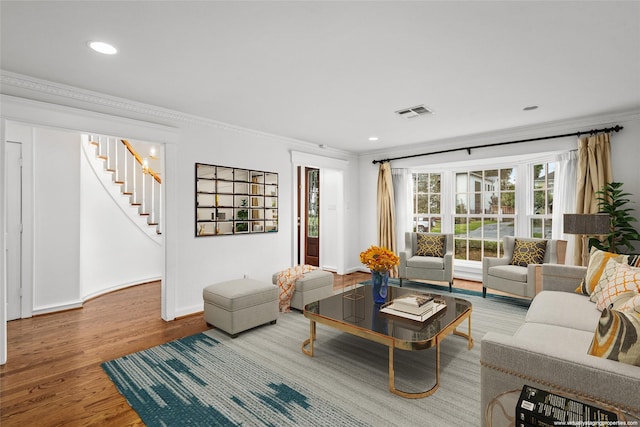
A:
[198,381]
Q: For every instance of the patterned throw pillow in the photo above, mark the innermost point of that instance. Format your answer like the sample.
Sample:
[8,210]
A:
[527,252]
[624,280]
[634,260]
[630,305]
[617,337]
[597,261]
[430,245]
[607,273]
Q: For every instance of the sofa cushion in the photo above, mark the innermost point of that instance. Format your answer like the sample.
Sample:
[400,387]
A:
[617,337]
[597,262]
[426,262]
[430,245]
[571,343]
[527,252]
[509,272]
[238,294]
[563,309]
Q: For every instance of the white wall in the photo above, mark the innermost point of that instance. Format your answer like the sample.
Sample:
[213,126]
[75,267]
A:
[201,261]
[3,253]
[114,251]
[329,193]
[56,196]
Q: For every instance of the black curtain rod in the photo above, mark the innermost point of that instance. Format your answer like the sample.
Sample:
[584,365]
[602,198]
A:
[616,128]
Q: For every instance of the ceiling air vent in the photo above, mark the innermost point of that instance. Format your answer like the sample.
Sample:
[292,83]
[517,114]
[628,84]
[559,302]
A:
[410,113]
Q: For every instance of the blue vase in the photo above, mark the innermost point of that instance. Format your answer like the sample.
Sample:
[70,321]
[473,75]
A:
[380,281]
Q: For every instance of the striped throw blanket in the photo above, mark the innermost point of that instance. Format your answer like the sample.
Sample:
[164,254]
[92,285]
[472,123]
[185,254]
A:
[286,282]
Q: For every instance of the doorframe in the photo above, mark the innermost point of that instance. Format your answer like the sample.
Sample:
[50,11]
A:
[18,181]
[23,134]
[319,162]
[3,256]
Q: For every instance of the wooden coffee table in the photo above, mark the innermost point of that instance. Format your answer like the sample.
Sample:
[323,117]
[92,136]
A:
[362,318]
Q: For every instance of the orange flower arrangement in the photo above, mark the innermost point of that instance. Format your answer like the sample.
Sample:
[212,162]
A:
[379,259]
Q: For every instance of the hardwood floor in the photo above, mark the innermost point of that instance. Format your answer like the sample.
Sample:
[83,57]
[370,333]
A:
[53,375]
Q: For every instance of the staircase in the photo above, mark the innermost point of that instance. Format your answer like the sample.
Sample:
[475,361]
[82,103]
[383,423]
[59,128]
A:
[128,179]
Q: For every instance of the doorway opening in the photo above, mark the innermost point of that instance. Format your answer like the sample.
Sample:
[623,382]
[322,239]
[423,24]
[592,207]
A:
[312,217]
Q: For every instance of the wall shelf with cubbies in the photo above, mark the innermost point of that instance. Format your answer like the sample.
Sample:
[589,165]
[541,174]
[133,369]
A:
[235,201]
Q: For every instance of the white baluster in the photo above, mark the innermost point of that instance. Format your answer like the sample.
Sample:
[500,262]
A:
[138,186]
[121,166]
[102,148]
[111,155]
[157,206]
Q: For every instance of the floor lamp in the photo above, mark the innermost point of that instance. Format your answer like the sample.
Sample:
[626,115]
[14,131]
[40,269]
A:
[586,225]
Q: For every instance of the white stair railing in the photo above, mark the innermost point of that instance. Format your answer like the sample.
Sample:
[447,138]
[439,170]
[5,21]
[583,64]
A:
[141,184]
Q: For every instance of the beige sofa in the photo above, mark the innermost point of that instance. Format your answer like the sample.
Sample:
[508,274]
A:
[549,350]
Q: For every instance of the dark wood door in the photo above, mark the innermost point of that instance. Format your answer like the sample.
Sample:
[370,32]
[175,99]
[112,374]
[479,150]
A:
[312,217]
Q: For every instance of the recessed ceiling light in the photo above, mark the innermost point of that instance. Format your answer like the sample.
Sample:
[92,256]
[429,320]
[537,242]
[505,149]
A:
[373,138]
[103,47]
[530,107]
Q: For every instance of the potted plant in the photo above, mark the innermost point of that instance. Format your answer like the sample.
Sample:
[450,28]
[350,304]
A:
[243,214]
[612,200]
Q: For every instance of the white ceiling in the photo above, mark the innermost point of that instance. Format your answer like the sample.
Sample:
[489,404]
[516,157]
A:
[334,72]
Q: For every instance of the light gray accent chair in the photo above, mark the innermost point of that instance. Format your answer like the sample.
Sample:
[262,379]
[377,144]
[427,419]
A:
[437,269]
[499,274]
[550,350]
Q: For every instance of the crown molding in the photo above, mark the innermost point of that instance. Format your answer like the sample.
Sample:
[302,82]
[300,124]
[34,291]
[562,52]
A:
[530,131]
[100,101]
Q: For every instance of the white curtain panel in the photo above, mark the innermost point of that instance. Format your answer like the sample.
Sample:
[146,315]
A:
[403,191]
[564,199]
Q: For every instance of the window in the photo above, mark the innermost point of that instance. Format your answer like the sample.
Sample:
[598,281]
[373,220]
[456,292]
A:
[543,183]
[482,205]
[484,212]
[427,215]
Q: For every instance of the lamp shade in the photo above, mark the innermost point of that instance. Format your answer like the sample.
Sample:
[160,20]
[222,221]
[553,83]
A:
[586,224]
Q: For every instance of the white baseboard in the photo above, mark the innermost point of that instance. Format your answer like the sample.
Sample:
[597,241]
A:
[57,307]
[119,286]
[71,305]
[187,311]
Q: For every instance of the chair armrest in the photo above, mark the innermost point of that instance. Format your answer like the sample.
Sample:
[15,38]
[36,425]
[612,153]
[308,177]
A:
[531,274]
[509,362]
[448,266]
[404,256]
[491,262]
[558,277]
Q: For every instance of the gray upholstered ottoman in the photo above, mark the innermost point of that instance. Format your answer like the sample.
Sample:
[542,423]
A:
[238,305]
[314,286]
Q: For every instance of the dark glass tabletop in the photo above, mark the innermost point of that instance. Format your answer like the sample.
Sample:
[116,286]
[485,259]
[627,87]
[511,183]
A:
[355,310]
